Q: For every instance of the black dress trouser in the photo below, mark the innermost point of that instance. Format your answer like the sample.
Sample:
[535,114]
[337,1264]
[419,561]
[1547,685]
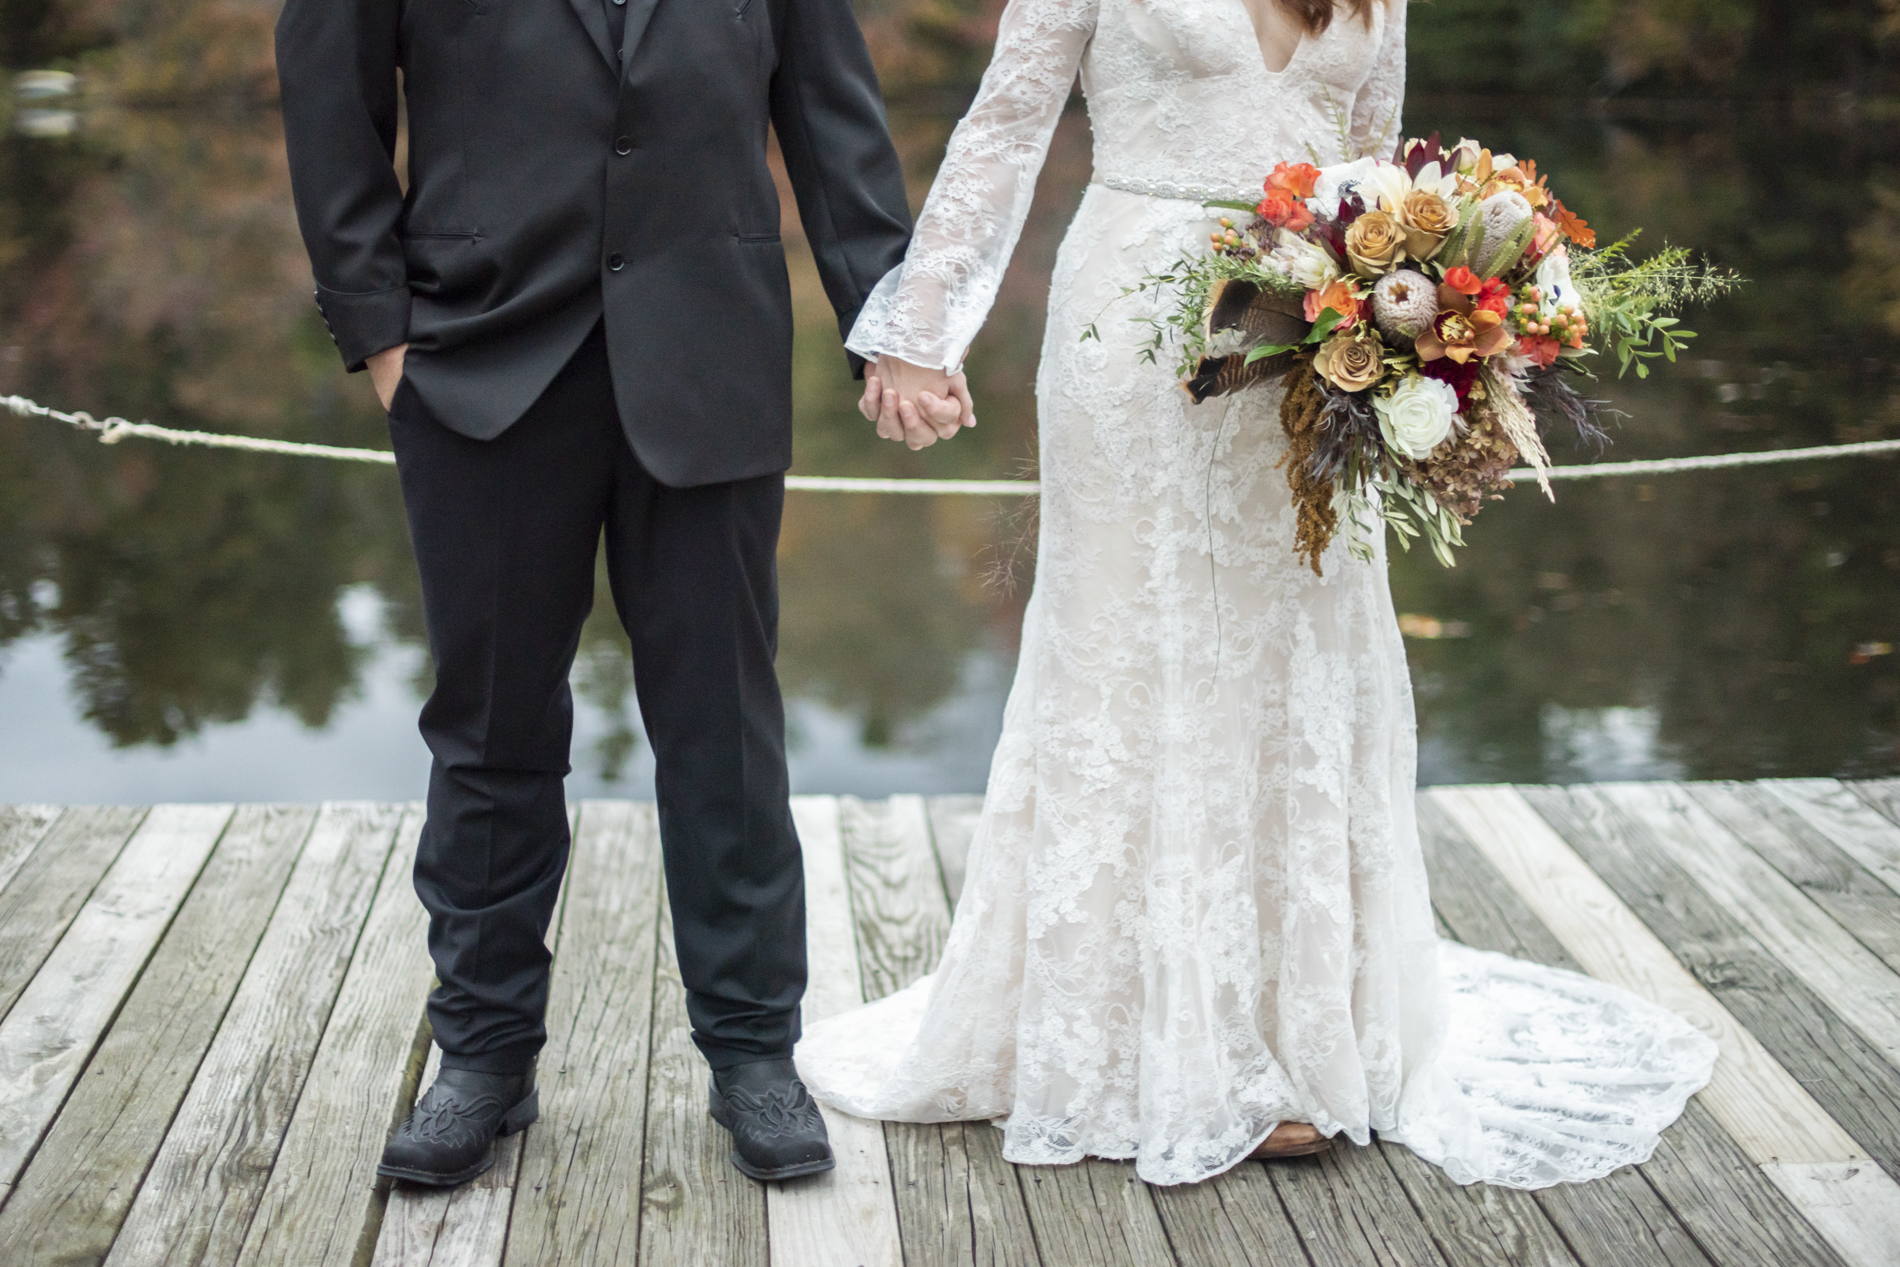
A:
[505,534]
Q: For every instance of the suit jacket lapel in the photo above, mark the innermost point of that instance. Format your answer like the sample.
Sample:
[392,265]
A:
[639,13]
[594,18]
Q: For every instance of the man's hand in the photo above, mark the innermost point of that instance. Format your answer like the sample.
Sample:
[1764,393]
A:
[385,371]
[914,405]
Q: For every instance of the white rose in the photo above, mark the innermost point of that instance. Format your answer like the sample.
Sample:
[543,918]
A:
[1553,279]
[1307,263]
[1416,418]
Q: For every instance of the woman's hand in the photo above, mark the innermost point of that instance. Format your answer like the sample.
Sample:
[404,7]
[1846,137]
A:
[914,405]
[385,372]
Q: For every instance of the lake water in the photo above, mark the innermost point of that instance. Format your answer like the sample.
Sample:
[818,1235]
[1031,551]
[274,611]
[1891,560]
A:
[199,625]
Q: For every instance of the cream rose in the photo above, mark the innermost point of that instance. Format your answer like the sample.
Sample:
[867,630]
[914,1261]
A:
[1351,361]
[1374,243]
[1427,218]
[1416,418]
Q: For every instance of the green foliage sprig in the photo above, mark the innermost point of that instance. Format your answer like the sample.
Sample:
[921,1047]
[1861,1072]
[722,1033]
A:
[1630,305]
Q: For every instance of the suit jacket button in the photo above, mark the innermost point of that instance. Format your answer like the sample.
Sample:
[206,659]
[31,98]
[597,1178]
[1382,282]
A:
[623,145]
[616,262]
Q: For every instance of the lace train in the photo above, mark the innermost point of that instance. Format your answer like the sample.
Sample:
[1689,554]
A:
[1547,1076]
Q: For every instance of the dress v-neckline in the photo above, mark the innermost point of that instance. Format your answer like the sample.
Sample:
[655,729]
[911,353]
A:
[1260,52]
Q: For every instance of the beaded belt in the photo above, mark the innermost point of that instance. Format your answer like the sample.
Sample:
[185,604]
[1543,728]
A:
[1170,189]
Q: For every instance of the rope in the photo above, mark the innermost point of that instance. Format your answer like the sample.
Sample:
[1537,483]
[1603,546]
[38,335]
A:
[113,430]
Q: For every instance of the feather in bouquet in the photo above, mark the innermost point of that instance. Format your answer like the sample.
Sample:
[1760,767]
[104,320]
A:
[1426,316]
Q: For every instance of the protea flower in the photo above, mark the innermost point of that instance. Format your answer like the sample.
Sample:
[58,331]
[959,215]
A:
[1404,303]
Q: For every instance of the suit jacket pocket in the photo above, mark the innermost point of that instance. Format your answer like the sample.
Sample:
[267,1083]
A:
[448,265]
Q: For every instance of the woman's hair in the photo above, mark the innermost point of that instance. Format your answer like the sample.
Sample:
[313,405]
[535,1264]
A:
[1317,15]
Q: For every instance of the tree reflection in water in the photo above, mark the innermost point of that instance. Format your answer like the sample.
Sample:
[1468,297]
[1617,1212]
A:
[1710,625]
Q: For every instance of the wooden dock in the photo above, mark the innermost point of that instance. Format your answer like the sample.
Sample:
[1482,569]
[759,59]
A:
[212,1015]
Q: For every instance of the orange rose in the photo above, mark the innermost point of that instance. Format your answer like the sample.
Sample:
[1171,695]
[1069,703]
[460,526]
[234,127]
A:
[1282,210]
[1339,297]
[1541,349]
[1295,179]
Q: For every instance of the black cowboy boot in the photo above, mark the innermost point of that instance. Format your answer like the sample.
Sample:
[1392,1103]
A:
[448,1138]
[777,1132]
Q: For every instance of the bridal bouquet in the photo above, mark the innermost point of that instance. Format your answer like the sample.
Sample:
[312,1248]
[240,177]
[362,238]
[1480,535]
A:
[1426,315]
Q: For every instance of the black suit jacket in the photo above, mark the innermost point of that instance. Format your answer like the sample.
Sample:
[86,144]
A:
[554,178]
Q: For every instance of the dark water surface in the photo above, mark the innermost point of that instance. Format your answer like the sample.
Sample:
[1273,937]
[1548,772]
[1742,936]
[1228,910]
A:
[188,624]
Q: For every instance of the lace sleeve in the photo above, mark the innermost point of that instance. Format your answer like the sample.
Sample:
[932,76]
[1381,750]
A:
[1377,110]
[927,309]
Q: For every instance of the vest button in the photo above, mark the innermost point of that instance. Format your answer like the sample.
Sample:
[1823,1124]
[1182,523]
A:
[616,262]
[623,145]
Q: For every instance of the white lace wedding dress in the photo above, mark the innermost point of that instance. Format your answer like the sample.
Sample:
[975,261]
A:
[1196,905]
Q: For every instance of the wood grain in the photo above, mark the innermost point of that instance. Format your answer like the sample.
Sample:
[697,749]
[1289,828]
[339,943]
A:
[62,1014]
[578,1198]
[1811,862]
[1847,818]
[847,1217]
[898,904]
[1232,1220]
[50,886]
[203,1187]
[1479,1225]
[1349,1209]
[1882,794]
[69,1203]
[21,828]
[958,1201]
[1699,1190]
[323,1203]
[953,822]
[695,1207]
[1094,1213]
[1843,974]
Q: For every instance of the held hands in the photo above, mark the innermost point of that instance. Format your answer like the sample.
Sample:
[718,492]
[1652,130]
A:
[385,372]
[914,405]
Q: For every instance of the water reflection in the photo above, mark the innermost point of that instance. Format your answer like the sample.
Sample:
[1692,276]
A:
[178,623]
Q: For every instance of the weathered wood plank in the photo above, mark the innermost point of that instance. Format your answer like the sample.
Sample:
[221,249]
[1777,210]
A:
[72,1198]
[1841,972]
[695,1207]
[958,1201]
[1479,1226]
[50,886]
[1882,794]
[1816,865]
[578,1197]
[847,1215]
[196,1202]
[1759,1101]
[62,1014]
[1232,1220]
[1846,817]
[898,903]
[21,828]
[1687,1195]
[1094,1214]
[952,825]
[323,1204]
[1349,1209]
[465,1226]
